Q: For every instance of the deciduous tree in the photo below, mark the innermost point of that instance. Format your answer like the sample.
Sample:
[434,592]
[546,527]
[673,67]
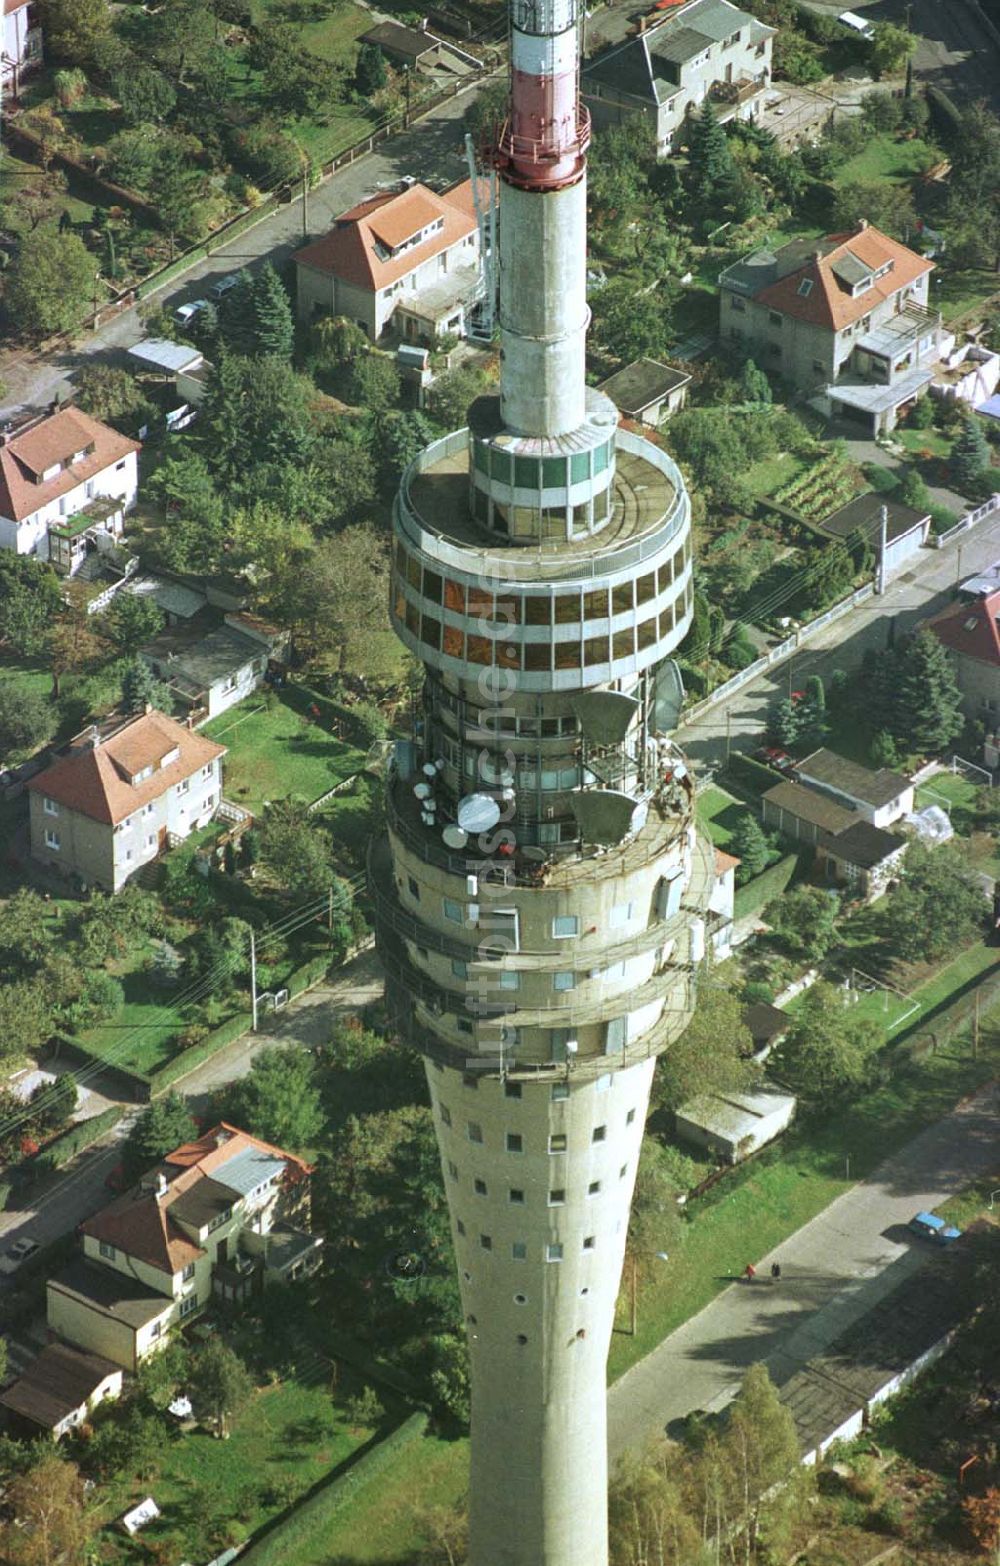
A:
[939,907]
[166,1124]
[342,598]
[27,720]
[51,283]
[713,1054]
[370,74]
[50,1526]
[891,47]
[132,619]
[145,94]
[220,1384]
[804,921]
[279,1099]
[74,29]
[828,1049]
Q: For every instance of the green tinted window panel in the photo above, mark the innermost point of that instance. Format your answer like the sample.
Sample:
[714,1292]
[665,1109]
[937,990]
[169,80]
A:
[579,467]
[600,458]
[501,466]
[526,472]
[553,472]
[481,457]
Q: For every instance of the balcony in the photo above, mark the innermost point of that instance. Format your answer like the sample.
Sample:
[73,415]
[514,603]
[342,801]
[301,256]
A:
[732,95]
[900,336]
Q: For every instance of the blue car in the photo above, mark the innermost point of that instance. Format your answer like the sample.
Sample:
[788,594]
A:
[930,1227]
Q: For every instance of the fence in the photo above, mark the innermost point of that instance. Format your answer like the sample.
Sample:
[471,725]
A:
[100,603]
[777,654]
[970,519]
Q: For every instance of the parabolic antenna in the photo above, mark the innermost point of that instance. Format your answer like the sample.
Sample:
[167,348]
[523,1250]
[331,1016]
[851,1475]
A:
[604,716]
[603,815]
[455,836]
[422,790]
[668,697]
[478,812]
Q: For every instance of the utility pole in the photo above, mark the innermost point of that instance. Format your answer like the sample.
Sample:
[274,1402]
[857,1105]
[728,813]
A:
[329,915]
[253,978]
[975,1030]
[729,715]
[958,567]
[305,201]
[883,528]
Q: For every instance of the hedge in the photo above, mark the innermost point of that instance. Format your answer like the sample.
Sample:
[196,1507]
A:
[186,1060]
[753,773]
[315,1514]
[764,888]
[62,1148]
[373,1369]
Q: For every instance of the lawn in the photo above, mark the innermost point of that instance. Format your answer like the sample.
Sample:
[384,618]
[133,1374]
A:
[140,1037]
[274,751]
[885,158]
[917,441]
[718,813]
[377,1525]
[954,793]
[958,293]
[289,1432]
[764,478]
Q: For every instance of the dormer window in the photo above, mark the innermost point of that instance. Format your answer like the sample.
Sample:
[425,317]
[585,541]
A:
[140,777]
[171,756]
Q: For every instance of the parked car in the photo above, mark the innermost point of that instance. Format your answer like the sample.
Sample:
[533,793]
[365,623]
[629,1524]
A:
[17,1253]
[778,760]
[116,1181]
[222,285]
[930,1227]
[185,313]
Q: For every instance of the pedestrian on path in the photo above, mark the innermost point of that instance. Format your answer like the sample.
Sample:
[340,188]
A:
[775,1272]
[749,1272]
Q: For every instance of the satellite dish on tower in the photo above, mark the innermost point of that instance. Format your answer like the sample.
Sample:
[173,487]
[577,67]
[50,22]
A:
[454,836]
[668,697]
[478,813]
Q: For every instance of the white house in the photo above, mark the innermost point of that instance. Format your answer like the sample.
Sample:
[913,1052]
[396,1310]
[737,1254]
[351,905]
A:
[409,260]
[21,52]
[112,802]
[68,473]
[210,669]
[880,796]
[59,1390]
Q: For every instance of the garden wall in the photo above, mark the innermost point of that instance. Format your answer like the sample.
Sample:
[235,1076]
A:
[309,1517]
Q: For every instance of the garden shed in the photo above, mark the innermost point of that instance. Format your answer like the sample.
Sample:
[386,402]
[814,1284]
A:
[733,1125]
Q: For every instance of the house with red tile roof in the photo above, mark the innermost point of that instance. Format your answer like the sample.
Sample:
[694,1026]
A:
[66,483]
[20,42]
[845,316]
[970,631]
[219,1218]
[407,262]
[117,798]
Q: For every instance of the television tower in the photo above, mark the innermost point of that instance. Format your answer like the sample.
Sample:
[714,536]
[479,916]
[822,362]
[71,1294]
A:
[541,890]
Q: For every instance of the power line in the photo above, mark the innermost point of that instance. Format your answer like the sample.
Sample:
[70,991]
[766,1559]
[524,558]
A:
[296,919]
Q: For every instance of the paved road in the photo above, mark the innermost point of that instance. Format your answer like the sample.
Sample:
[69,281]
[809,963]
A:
[308,1022]
[431,150]
[921,590]
[834,1270]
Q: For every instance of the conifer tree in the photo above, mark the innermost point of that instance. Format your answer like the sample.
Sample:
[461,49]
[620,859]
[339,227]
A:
[370,73]
[970,455]
[273,325]
[237,317]
[709,162]
[141,689]
[927,712]
[750,845]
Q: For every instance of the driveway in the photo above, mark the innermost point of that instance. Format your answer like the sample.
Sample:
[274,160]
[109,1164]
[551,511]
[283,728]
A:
[834,1270]
[431,150]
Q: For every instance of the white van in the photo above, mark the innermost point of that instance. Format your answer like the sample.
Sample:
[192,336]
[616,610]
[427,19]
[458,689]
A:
[857,24]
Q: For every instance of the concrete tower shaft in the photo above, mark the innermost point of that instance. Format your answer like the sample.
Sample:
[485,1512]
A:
[541,893]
